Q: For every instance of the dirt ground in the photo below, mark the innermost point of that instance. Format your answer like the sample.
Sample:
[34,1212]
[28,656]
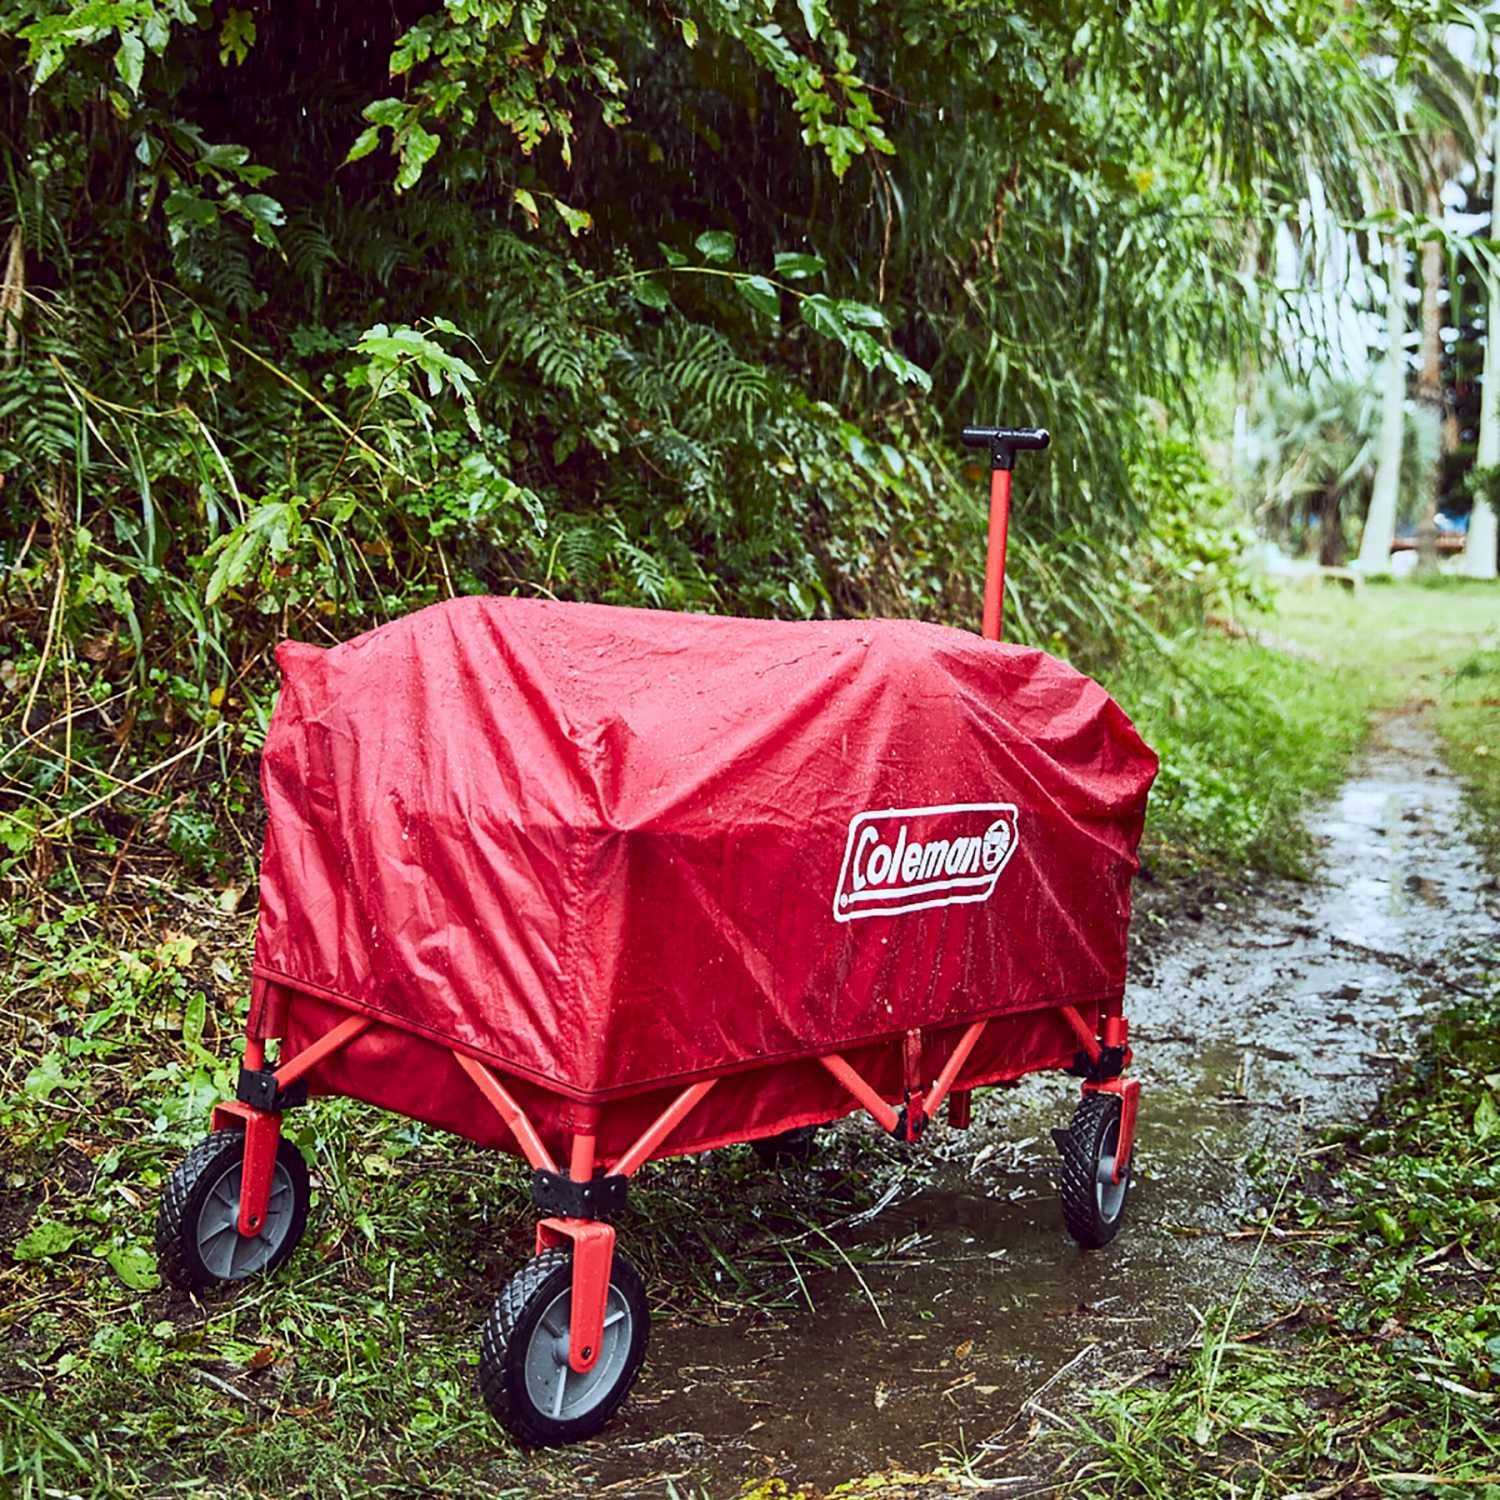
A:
[1259,1017]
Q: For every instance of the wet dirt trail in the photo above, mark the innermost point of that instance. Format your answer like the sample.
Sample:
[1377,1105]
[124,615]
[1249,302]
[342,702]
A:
[1252,1022]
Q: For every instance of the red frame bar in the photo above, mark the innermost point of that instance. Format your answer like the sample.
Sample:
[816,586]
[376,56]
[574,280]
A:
[994,562]
[939,1091]
[885,1116]
[506,1107]
[262,1136]
[660,1128]
[326,1045]
[1080,1029]
[1129,1092]
[593,1259]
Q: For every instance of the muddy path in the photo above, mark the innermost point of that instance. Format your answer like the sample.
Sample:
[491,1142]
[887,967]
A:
[1255,1019]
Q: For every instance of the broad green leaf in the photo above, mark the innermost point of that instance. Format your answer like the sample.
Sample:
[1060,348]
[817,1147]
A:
[672,257]
[903,369]
[48,1238]
[130,60]
[364,143]
[236,36]
[135,1265]
[860,314]
[224,157]
[821,314]
[716,245]
[760,294]
[689,29]
[793,265]
[1486,1118]
[527,204]
[576,219]
[265,214]
[418,147]
[867,349]
[385,112]
[650,293]
[194,1014]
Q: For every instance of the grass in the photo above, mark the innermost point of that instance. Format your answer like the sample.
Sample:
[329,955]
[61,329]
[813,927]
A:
[120,1005]
[1389,1384]
[1393,1383]
[356,1373]
[1439,643]
[1247,736]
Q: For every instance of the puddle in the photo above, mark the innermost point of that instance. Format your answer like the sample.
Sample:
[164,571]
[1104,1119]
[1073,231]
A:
[1249,1026]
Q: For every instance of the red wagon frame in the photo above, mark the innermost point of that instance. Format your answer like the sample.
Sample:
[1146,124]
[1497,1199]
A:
[593,1239]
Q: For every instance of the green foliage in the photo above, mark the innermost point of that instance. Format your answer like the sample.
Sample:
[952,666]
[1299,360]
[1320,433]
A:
[1246,735]
[1403,1224]
[311,318]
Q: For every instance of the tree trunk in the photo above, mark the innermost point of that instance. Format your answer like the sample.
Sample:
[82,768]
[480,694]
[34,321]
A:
[1331,548]
[1479,549]
[1380,523]
[1430,381]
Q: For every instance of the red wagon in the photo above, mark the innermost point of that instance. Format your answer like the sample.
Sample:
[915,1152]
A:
[599,885]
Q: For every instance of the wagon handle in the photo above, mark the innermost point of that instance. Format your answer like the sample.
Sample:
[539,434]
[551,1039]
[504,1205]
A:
[1004,443]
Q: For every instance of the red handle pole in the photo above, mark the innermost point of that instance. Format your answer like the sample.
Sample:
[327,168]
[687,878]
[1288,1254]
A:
[994,565]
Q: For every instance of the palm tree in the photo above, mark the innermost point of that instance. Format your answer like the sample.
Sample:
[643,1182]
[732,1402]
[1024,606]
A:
[1318,445]
[1380,523]
[1479,551]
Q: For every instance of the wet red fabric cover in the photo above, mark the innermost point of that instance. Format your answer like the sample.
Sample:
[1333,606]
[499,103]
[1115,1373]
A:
[610,850]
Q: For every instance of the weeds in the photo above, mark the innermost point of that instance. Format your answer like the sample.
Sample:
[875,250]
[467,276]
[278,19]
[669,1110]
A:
[1246,736]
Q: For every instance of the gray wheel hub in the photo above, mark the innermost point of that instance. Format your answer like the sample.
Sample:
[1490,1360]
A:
[1109,1194]
[556,1389]
[228,1254]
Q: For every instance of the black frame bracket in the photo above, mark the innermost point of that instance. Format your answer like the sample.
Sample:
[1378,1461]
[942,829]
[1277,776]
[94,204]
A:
[257,1087]
[560,1196]
[1109,1064]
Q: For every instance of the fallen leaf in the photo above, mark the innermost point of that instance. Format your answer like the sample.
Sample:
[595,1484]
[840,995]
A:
[261,1358]
[47,1238]
[135,1265]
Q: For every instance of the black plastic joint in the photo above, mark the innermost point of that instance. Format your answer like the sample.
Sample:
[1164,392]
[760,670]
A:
[257,1088]
[899,1129]
[1109,1064]
[564,1198]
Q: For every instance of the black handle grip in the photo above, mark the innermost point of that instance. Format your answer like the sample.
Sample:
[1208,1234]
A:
[1005,442]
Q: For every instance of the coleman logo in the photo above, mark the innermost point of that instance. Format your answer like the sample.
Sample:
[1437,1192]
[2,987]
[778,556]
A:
[912,858]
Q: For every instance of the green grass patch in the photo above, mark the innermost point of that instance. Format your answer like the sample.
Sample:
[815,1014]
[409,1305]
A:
[1247,735]
[1436,643]
[1468,719]
[353,1369]
[1392,1385]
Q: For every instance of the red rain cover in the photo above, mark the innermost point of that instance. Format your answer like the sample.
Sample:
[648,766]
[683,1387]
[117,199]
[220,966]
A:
[607,848]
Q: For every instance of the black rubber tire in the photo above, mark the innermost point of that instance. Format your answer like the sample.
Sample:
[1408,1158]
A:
[186,1194]
[1092,1136]
[507,1338]
[791,1148]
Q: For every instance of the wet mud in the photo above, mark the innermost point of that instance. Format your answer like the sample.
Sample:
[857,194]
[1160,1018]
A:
[1255,1019]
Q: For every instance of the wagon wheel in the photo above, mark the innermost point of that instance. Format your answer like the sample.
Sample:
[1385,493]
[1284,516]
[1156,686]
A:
[1093,1202]
[524,1374]
[789,1148]
[198,1242]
